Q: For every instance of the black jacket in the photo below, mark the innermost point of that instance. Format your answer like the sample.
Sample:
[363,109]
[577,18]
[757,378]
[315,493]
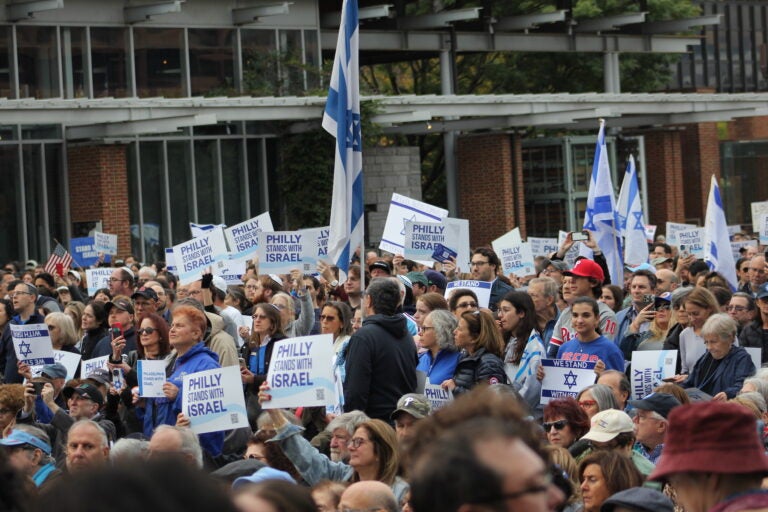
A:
[380,367]
[753,335]
[91,338]
[104,346]
[481,366]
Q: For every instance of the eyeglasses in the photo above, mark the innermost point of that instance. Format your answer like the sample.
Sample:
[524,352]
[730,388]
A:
[146,330]
[466,305]
[13,294]
[587,403]
[559,425]
[356,442]
[330,318]
[426,327]
[477,263]
[663,307]
[735,308]
[550,271]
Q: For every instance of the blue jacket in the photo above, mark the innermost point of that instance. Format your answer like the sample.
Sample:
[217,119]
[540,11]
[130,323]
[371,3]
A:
[162,411]
[736,366]
[441,368]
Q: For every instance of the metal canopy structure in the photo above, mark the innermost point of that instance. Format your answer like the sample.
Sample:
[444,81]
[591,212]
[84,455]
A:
[109,118]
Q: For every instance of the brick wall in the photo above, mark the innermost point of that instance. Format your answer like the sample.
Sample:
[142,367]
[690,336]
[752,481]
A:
[98,189]
[664,175]
[701,147]
[749,128]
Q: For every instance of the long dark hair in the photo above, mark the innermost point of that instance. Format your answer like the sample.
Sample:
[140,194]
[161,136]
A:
[522,303]
[161,326]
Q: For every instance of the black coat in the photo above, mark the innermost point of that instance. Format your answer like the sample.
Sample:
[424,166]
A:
[481,366]
[753,335]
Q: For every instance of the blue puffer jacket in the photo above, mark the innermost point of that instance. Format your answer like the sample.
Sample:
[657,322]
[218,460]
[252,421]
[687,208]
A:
[162,411]
[729,376]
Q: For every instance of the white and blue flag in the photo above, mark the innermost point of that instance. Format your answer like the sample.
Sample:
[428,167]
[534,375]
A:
[601,217]
[342,120]
[631,221]
[717,243]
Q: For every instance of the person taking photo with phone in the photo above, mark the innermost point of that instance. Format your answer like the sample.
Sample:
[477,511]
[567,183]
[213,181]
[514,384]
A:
[121,322]
[636,318]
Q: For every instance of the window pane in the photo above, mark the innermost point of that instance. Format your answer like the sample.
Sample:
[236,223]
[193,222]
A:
[10,221]
[5,62]
[254,176]
[34,202]
[152,200]
[312,56]
[110,63]
[73,53]
[211,61]
[259,62]
[292,66]
[205,177]
[181,190]
[56,192]
[231,170]
[158,61]
[38,62]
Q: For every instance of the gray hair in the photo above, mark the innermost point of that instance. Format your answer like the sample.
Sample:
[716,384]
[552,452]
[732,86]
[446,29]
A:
[720,325]
[760,385]
[349,421]
[762,373]
[679,296]
[385,295]
[444,323]
[129,449]
[190,444]
[99,429]
[548,285]
[149,271]
[756,398]
[603,395]
[41,435]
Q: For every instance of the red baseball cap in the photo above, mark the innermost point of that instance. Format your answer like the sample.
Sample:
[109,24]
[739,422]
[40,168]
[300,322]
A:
[586,268]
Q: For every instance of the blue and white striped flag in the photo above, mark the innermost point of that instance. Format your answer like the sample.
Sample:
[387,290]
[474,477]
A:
[717,243]
[631,221]
[342,120]
[601,217]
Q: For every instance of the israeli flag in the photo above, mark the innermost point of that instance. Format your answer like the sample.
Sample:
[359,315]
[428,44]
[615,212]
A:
[631,221]
[601,217]
[342,120]
[717,243]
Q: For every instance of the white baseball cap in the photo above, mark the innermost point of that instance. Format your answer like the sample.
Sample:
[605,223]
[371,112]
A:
[608,424]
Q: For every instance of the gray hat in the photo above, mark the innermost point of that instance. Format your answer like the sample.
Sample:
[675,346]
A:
[414,404]
[54,371]
[638,498]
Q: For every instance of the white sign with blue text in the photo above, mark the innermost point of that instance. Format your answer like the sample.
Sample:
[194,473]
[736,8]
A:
[542,246]
[673,228]
[280,252]
[649,367]
[301,372]
[482,290]
[243,238]
[91,365]
[32,344]
[437,396]
[691,241]
[104,242]
[314,251]
[516,259]
[564,379]
[401,209]
[70,360]
[422,239]
[198,254]
[97,278]
[151,377]
[213,400]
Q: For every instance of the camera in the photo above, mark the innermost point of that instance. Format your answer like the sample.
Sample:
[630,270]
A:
[38,387]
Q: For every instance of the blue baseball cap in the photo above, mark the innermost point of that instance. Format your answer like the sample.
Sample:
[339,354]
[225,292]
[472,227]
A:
[762,292]
[19,438]
[263,475]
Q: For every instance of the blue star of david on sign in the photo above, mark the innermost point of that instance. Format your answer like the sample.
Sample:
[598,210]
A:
[570,379]
[354,134]
[412,219]
[25,349]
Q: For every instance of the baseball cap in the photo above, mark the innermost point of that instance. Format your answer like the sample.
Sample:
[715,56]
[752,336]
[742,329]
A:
[436,278]
[664,299]
[586,268]
[407,282]
[31,264]
[608,424]
[418,277]
[560,265]
[642,266]
[54,371]
[100,375]
[85,390]
[19,438]
[380,264]
[145,292]
[219,283]
[120,303]
[660,403]
[75,274]
[414,404]
[263,475]
[62,289]
[762,292]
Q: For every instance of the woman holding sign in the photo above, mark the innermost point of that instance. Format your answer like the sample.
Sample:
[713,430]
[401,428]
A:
[590,345]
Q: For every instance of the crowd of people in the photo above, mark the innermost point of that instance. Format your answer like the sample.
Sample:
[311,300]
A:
[696,443]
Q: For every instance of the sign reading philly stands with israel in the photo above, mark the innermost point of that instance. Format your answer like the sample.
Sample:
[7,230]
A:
[280,252]
[243,238]
[196,255]
[213,400]
[563,379]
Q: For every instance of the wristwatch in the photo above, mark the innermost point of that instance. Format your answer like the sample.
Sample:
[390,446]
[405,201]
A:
[334,283]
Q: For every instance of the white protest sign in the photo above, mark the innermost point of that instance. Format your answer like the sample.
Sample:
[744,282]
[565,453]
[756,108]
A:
[573,252]
[301,372]
[649,367]
[401,209]
[281,251]
[170,261]
[733,229]
[673,228]
[763,232]
[462,241]
[510,237]
[91,365]
[97,279]
[691,241]
[196,255]
[650,233]
[32,344]
[316,250]
[516,259]
[758,209]
[104,242]
[231,271]
[422,239]
[542,246]
[482,290]
[563,379]
[243,238]
[69,360]
[437,396]
[736,246]
[151,376]
[213,400]
[756,353]
[199,230]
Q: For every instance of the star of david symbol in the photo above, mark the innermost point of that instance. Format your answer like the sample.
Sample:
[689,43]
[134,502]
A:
[590,224]
[639,220]
[354,134]
[622,221]
[570,379]
[25,349]
[412,219]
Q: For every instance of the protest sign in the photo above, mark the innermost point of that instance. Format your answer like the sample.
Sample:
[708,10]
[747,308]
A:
[230,270]
[758,209]
[673,228]
[542,246]
[243,238]
[461,226]
[649,367]
[91,365]
[282,251]
[301,372]
[97,278]
[317,249]
[437,396]
[691,241]
[213,400]
[510,237]
[104,242]
[70,360]
[401,209]
[83,253]
[563,379]
[650,233]
[736,247]
[199,230]
[422,238]
[151,376]
[32,343]
[170,261]
[763,232]
[756,353]
[481,288]
[198,254]
[733,229]
[516,259]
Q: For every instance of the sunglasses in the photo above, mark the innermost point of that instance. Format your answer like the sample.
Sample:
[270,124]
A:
[466,305]
[327,317]
[559,425]
[146,330]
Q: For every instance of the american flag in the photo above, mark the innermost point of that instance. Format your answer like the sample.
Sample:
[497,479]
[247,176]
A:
[58,256]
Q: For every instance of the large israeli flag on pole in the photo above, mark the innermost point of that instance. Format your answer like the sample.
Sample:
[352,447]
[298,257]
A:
[631,221]
[601,217]
[342,120]
[717,243]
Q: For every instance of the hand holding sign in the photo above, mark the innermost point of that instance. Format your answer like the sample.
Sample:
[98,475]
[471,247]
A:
[170,390]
